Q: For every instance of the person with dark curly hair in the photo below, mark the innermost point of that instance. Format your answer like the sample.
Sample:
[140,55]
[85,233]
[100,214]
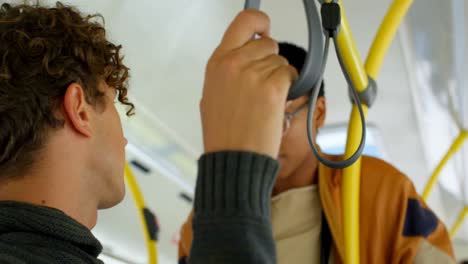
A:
[62,149]
[61,140]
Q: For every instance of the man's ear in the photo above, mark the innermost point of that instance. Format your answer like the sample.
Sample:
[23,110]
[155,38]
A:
[77,110]
[320,112]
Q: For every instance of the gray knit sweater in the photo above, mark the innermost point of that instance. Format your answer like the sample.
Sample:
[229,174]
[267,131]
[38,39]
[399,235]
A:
[40,235]
[231,222]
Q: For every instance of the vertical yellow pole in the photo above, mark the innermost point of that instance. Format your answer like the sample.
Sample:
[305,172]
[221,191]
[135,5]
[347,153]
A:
[359,77]
[351,175]
[351,189]
[140,204]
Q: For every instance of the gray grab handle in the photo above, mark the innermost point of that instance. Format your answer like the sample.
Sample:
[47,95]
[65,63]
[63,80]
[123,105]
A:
[310,73]
[252,4]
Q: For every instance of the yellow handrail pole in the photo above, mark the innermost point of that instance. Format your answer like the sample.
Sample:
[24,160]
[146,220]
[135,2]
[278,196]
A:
[351,57]
[140,204]
[456,145]
[351,175]
[458,223]
[351,189]
[359,77]
[385,36]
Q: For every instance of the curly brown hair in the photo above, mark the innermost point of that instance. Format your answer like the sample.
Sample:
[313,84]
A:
[42,51]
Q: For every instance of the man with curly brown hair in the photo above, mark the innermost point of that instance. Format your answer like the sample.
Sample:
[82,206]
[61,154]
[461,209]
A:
[61,139]
[62,150]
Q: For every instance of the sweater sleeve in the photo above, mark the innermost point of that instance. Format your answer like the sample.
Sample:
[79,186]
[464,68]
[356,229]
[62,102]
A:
[231,221]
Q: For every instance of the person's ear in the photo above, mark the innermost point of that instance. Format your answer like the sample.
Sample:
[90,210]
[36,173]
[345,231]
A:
[77,110]
[320,113]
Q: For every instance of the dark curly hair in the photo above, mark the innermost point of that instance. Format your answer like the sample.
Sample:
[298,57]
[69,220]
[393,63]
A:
[42,51]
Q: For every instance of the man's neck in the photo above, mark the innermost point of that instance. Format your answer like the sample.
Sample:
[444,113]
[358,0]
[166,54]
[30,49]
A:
[57,185]
[305,175]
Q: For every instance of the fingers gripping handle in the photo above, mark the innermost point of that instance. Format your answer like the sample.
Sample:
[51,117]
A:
[310,74]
